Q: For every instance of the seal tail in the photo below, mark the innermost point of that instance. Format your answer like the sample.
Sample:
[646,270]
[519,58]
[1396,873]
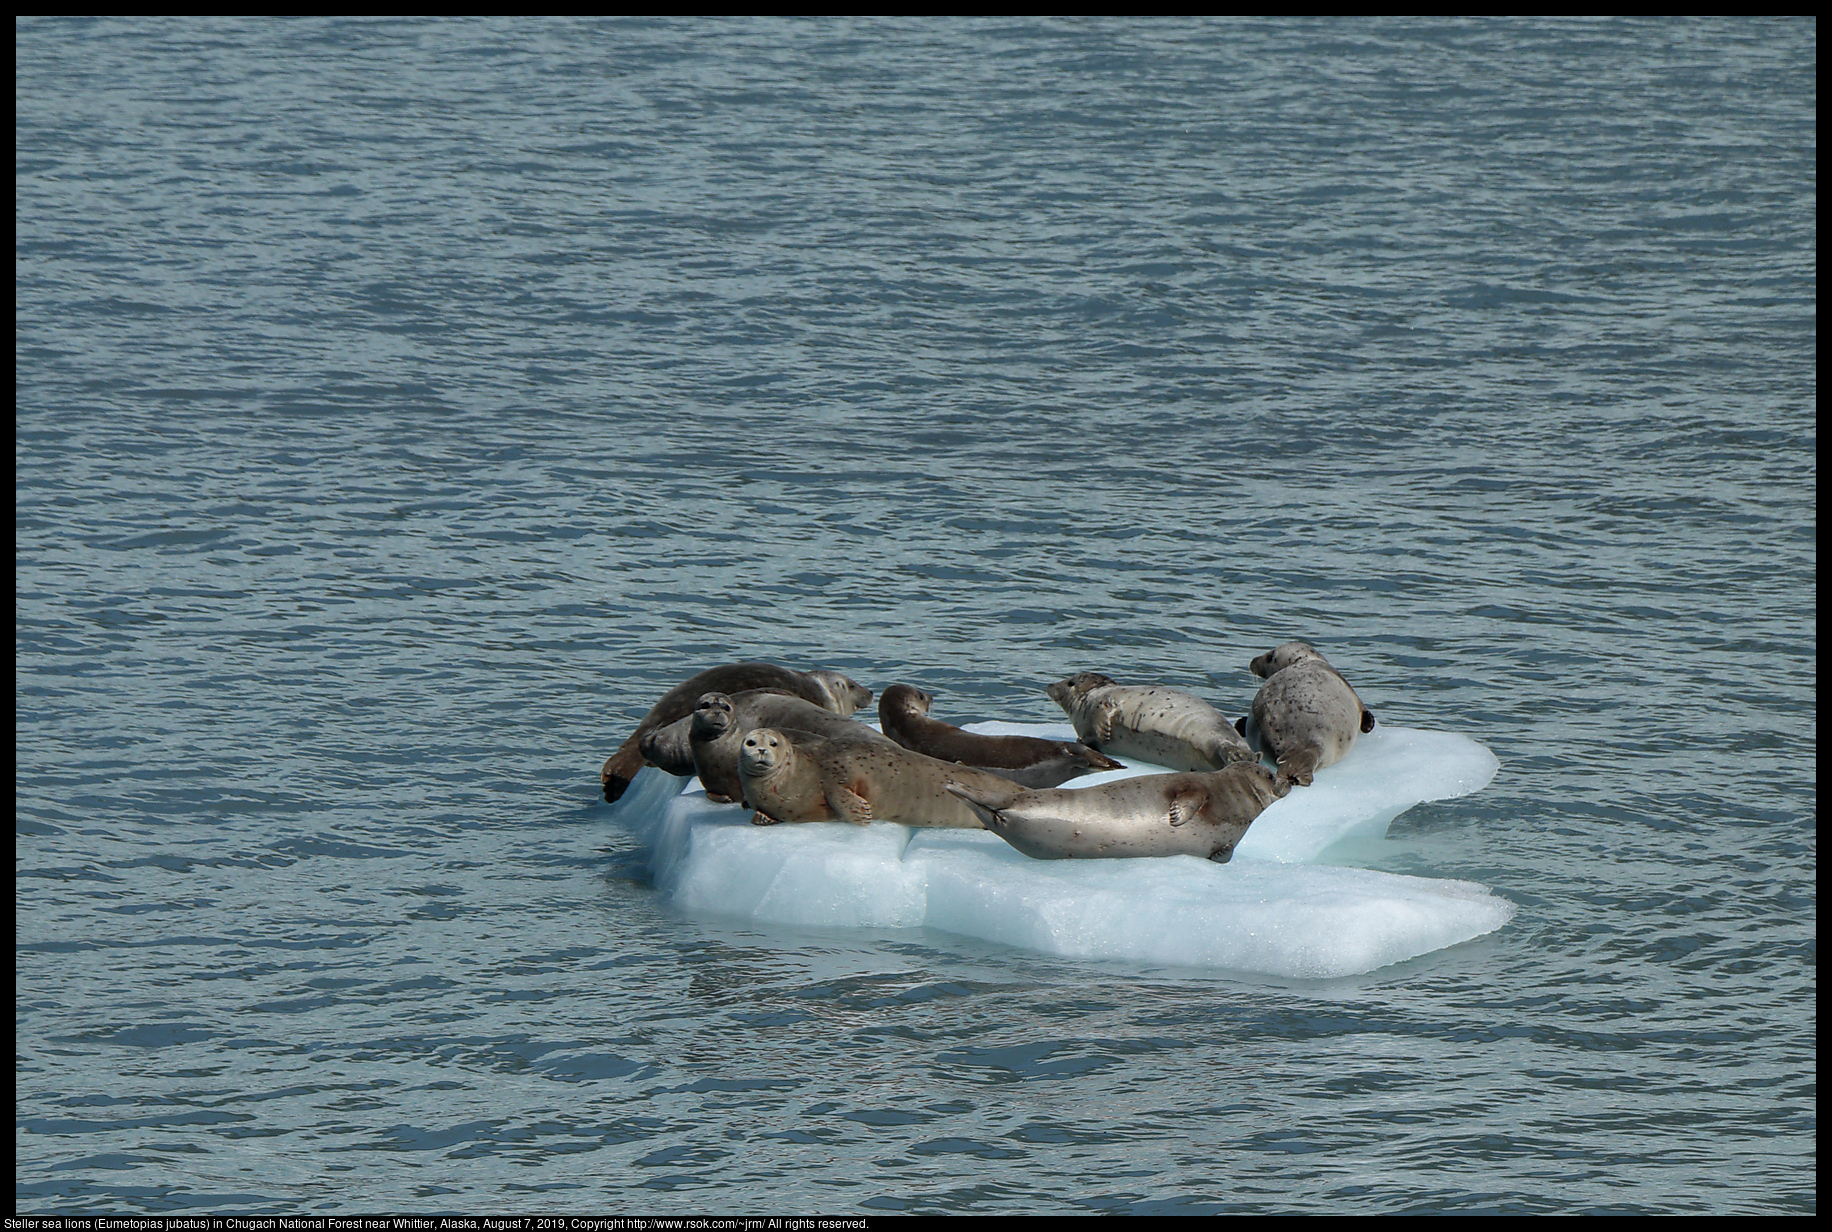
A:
[986,805]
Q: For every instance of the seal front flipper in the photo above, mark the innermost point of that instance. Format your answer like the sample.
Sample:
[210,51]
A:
[761,818]
[849,804]
[1367,720]
[1186,804]
[1102,720]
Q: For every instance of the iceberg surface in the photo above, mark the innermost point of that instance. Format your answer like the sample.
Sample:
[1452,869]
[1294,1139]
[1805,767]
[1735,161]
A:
[1266,911]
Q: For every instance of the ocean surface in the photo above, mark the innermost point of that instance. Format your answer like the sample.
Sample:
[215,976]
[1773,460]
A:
[404,406]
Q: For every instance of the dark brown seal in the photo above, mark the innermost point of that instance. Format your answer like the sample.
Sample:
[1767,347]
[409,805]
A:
[903,713]
[827,689]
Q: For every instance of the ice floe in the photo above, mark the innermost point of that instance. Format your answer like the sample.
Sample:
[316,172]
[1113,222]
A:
[1268,911]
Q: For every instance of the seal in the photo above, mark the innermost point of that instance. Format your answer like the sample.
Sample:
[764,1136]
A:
[903,713]
[854,780]
[719,722]
[829,689]
[1202,814]
[670,748]
[1306,716]
[1160,725]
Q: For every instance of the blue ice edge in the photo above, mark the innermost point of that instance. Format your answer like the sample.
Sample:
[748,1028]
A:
[1269,911]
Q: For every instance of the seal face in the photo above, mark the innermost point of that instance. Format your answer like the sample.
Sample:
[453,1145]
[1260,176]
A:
[1198,814]
[1306,716]
[670,748]
[856,780]
[1153,723]
[715,739]
[677,703]
[903,713]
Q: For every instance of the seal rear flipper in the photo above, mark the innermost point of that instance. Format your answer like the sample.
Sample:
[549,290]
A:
[1250,732]
[1234,754]
[985,804]
[1096,760]
[619,768]
[1300,765]
[849,804]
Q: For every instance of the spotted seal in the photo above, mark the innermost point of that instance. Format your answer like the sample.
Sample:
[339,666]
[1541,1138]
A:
[854,780]
[670,748]
[1306,716]
[903,713]
[717,726]
[1153,723]
[1199,814]
[829,689]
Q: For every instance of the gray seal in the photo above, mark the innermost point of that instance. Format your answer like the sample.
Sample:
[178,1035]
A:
[829,689]
[1195,814]
[1153,723]
[1306,716]
[903,713]
[854,780]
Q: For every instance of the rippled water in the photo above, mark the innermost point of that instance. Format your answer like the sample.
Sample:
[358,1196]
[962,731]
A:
[403,406]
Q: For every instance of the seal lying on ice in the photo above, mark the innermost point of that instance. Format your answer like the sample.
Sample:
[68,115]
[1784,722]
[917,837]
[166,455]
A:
[1163,726]
[1197,814]
[854,780]
[719,723]
[1306,716]
[828,689]
[670,748]
[903,713]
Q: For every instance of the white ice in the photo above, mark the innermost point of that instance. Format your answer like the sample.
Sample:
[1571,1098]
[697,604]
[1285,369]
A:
[1266,911]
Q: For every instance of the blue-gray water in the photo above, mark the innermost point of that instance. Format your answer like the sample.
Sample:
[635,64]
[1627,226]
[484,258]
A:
[403,406]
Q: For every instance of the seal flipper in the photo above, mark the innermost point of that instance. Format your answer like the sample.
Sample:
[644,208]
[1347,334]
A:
[621,767]
[1186,804]
[1094,759]
[984,804]
[849,804]
[761,818]
[1250,732]
[1300,765]
[1367,719]
[1102,721]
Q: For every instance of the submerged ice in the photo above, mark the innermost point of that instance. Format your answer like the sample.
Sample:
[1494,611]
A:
[1268,910]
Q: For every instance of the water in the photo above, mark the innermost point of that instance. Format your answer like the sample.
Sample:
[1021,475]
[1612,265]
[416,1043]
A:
[404,405]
